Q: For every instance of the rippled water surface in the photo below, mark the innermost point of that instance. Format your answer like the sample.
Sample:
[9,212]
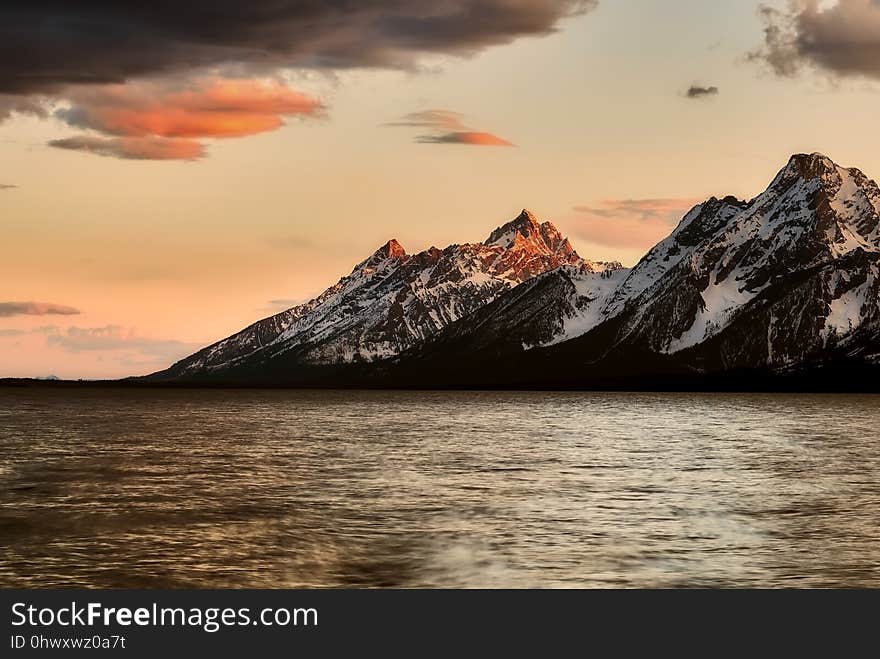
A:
[152,488]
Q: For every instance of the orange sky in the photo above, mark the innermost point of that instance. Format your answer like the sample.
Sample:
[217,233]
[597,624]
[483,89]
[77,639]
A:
[171,209]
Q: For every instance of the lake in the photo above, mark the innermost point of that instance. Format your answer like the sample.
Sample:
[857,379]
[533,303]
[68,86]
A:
[129,488]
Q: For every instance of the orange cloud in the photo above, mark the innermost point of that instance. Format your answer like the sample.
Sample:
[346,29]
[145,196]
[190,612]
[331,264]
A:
[475,138]
[449,128]
[155,121]
[630,223]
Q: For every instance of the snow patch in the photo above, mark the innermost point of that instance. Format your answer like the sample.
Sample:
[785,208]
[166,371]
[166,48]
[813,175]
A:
[720,301]
[593,290]
[845,312]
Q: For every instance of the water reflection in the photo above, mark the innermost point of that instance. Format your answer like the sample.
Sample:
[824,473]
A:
[284,489]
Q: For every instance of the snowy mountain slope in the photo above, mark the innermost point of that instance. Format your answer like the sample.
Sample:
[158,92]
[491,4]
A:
[601,298]
[392,300]
[266,332]
[536,312]
[586,299]
[808,226]
[829,311]
[699,224]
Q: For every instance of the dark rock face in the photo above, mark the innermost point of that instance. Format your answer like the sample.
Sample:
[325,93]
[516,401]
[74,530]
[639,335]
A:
[780,272]
[787,281]
[809,315]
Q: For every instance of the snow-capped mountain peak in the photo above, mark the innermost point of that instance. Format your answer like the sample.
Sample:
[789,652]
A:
[524,226]
[814,214]
[806,166]
[392,251]
[525,230]
[392,300]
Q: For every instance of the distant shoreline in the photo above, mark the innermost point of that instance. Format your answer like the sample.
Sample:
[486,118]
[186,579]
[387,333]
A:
[740,384]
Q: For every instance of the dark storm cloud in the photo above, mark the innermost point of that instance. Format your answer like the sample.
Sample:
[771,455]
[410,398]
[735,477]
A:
[698,91]
[842,39]
[46,45]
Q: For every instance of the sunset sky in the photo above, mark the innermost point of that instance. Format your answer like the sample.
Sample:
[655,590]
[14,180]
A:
[169,176]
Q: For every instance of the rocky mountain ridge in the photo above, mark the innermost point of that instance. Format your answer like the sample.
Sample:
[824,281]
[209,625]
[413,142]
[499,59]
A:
[392,300]
[788,279]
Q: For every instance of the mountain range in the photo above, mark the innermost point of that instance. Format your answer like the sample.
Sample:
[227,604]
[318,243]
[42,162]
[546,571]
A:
[777,291]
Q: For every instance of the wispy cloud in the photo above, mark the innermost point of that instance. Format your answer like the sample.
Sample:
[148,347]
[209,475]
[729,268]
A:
[6,186]
[35,309]
[840,38]
[118,338]
[436,119]
[629,223]
[447,127]
[47,329]
[700,91]
[133,148]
